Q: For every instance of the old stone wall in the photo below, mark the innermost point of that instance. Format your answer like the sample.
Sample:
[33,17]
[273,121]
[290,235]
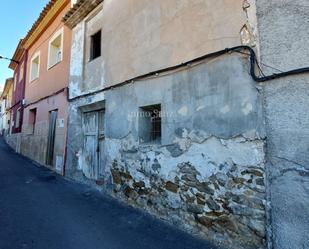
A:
[284,31]
[207,173]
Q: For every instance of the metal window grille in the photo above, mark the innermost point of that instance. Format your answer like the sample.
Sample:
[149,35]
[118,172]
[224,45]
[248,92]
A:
[155,120]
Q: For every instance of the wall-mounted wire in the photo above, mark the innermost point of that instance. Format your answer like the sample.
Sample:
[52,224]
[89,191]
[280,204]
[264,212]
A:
[238,49]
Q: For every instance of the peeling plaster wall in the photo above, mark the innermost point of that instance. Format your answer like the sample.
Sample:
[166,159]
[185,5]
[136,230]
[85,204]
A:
[77,61]
[249,32]
[85,75]
[143,36]
[284,32]
[207,175]
[75,143]
[93,69]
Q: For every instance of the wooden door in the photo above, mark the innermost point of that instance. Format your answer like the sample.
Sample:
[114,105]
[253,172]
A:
[93,153]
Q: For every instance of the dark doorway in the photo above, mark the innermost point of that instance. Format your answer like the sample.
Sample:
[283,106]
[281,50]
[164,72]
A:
[51,137]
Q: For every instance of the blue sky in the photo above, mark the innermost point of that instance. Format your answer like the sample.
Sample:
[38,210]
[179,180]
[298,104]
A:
[16,18]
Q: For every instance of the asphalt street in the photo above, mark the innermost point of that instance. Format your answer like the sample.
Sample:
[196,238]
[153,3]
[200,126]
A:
[42,210]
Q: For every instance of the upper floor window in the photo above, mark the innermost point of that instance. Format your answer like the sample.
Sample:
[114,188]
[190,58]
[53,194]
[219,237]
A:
[35,66]
[21,72]
[55,49]
[95,46]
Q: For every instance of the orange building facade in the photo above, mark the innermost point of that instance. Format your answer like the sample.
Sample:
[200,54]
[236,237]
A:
[45,117]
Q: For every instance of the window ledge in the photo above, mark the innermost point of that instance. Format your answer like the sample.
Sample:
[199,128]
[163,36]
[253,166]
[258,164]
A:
[94,59]
[150,144]
[52,66]
[33,80]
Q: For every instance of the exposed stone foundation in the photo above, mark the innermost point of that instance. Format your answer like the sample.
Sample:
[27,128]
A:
[215,188]
[206,172]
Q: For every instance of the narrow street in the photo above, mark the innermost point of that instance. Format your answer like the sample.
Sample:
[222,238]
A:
[40,210]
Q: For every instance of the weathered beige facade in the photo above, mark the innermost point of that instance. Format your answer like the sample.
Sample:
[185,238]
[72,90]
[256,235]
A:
[206,175]
[143,36]
[192,110]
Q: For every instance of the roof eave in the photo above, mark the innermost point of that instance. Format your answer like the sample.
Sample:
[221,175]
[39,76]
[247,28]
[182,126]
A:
[47,15]
[17,55]
[79,11]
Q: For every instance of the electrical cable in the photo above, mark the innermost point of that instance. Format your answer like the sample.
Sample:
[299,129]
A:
[238,49]
[271,67]
[5,58]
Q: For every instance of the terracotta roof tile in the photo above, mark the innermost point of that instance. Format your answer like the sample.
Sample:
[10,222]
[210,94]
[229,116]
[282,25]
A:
[43,13]
[79,11]
[46,15]
[17,54]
